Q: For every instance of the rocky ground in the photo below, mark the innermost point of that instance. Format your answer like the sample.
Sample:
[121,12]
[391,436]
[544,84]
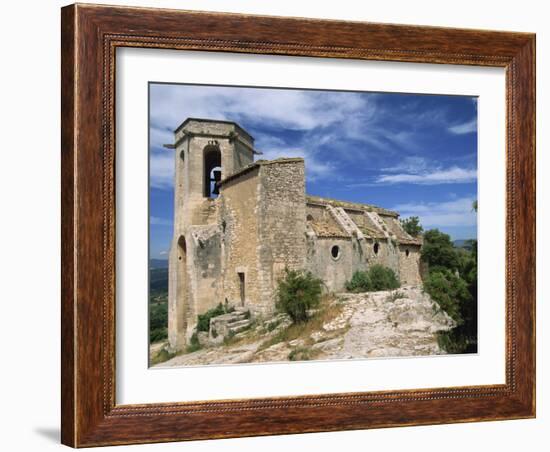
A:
[403,322]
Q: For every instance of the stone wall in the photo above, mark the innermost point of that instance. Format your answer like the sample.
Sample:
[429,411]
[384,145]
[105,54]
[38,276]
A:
[205,271]
[409,264]
[281,220]
[334,271]
[239,228]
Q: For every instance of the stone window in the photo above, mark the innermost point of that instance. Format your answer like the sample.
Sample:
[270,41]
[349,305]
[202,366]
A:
[309,218]
[212,170]
[376,248]
[335,252]
[407,252]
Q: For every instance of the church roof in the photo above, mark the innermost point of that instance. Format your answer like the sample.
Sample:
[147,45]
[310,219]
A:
[402,236]
[350,205]
[327,228]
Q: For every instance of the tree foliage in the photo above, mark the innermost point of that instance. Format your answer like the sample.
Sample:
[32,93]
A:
[452,283]
[438,250]
[298,292]
[449,290]
[412,226]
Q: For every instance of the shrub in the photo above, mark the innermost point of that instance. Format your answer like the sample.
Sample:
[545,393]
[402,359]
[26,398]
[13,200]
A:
[297,293]
[377,278]
[300,354]
[382,278]
[449,291]
[203,320]
[360,282]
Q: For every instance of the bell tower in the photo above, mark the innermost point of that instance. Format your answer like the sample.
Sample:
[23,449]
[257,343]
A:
[206,151]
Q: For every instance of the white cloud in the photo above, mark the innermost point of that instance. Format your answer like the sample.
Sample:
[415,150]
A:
[161,170]
[291,109]
[464,128]
[453,175]
[414,165]
[315,168]
[457,212]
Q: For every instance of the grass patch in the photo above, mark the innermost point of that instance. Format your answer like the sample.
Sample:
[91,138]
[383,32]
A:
[396,295]
[194,344]
[327,312]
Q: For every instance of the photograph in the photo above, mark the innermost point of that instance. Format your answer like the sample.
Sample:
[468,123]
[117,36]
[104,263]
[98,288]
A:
[292,224]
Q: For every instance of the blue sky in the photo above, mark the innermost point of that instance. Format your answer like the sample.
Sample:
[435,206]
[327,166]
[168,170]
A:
[416,154]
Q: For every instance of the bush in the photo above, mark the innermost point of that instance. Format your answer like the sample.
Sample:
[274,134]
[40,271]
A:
[297,293]
[382,278]
[449,291]
[203,320]
[377,278]
[360,282]
[300,354]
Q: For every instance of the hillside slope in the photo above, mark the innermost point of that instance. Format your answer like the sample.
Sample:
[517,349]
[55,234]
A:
[349,326]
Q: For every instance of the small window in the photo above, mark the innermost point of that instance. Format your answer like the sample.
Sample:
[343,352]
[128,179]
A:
[335,252]
[309,218]
[407,253]
[376,248]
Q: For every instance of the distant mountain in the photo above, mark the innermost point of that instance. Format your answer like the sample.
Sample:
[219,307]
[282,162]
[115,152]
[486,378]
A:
[158,263]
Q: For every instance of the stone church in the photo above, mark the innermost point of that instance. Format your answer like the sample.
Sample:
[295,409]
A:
[238,223]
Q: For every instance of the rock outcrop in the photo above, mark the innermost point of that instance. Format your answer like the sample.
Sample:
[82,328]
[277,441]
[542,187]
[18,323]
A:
[403,322]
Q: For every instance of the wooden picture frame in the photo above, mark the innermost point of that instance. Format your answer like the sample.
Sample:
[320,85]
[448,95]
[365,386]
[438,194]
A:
[90,36]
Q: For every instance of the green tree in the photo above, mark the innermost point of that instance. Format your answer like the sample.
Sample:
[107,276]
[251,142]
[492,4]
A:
[412,226]
[438,250]
[298,292]
[449,291]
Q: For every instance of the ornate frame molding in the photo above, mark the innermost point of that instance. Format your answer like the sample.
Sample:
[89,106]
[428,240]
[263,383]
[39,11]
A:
[90,37]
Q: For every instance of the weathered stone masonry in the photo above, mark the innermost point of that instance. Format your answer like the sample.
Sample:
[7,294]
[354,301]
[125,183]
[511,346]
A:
[239,223]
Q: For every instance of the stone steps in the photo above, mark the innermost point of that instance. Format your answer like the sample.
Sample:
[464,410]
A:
[238,326]
[231,323]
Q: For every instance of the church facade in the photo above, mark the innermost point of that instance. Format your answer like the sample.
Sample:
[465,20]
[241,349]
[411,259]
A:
[238,223]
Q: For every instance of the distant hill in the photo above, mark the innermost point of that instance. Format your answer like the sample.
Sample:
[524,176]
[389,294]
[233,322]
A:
[158,276]
[158,263]
[158,281]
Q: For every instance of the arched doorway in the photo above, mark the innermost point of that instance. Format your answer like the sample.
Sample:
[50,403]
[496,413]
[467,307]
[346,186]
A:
[212,170]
